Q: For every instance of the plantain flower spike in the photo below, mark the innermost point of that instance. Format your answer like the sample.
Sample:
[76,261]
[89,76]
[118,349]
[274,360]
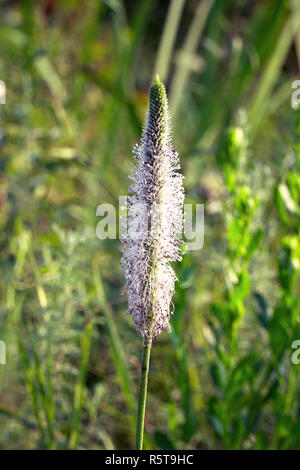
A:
[154,221]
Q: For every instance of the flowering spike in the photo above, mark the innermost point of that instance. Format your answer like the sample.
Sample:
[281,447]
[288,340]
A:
[154,221]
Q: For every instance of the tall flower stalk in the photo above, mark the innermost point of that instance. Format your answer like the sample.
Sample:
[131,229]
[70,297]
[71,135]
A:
[151,242]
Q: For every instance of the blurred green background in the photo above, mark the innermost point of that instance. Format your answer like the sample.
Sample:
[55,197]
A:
[77,76]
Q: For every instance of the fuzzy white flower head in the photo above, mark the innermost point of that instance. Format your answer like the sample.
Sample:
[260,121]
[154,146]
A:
[155,215]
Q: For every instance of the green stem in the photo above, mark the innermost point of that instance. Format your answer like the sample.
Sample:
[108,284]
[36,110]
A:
[142,396]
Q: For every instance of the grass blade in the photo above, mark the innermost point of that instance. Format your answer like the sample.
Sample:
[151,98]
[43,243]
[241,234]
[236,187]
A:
[168,38]
[183,69]
[79,388]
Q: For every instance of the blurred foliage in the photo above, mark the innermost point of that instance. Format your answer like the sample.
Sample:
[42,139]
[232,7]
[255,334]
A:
[77,81]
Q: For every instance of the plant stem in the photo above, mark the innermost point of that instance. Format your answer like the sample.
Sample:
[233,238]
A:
[142,396]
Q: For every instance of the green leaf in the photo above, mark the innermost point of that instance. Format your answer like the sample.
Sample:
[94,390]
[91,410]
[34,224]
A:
[278,333]
[219,375]
[163,441]
[262,309]
[242,288]
[254,243]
